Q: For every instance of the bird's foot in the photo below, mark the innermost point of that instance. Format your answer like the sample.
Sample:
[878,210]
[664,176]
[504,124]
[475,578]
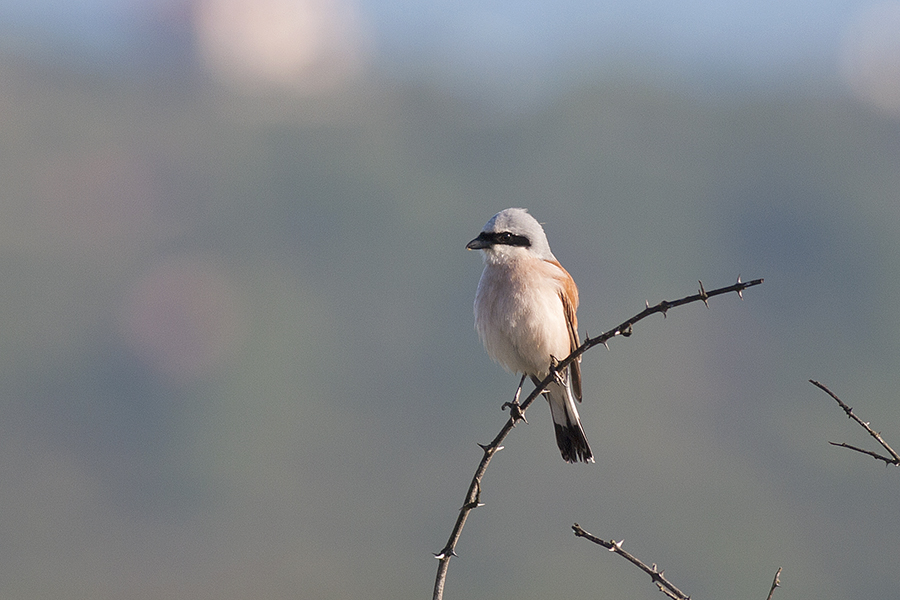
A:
[515,411]
[558,375]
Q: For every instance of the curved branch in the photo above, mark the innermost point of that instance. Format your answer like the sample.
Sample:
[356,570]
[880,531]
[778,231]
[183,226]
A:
[473,494]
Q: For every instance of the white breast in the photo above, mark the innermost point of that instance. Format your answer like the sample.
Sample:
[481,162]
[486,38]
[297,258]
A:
[520,317]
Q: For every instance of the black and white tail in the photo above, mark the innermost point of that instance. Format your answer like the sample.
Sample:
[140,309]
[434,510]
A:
[570,438]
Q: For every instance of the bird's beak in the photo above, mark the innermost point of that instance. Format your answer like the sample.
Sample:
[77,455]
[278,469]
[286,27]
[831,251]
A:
[478,243]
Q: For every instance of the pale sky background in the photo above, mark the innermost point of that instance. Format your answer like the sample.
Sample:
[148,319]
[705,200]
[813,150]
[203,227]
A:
[520,51]
[484,36]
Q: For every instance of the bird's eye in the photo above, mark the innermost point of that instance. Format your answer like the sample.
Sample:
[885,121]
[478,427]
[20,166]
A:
[504,237]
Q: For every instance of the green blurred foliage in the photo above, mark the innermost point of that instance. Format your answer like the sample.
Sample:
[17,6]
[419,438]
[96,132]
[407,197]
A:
[238,355]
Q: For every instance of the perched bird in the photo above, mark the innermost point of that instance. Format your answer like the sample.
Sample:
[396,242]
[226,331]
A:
[525,315]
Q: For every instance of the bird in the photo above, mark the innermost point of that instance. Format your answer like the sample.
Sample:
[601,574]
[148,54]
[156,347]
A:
[525,315]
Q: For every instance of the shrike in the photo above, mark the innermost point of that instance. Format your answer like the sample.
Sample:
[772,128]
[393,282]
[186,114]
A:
[525,315]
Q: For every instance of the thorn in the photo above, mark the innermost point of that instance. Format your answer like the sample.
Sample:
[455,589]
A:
[605,345]
[647,302]
[616,545]
[703,295]
[628,331]
[476,501]
[740,289]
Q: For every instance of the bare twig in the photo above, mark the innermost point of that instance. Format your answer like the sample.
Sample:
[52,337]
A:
[893,460]
[775,583]
[658,577]
[517,412]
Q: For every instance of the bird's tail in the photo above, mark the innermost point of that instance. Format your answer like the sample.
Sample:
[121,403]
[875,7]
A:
[570,438]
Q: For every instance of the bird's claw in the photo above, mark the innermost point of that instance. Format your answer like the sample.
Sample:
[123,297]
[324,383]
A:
[515,412]
[558,375]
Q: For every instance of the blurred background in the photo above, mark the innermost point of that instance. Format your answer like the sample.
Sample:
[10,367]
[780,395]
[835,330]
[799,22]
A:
[237,357]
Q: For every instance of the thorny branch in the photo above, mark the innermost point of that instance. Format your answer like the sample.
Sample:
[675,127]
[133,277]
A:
[893,460]
[473,494]
[658,577]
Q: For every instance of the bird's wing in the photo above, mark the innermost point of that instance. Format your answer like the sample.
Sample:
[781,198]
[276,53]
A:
[568,294]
